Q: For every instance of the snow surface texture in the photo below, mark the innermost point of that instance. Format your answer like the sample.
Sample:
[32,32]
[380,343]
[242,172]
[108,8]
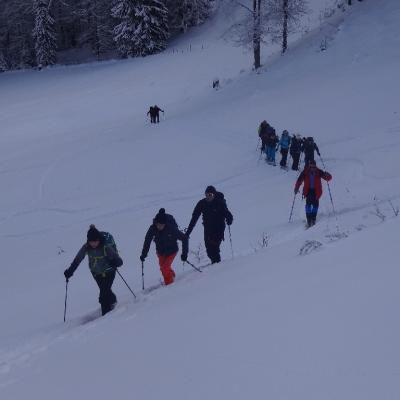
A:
[314,315]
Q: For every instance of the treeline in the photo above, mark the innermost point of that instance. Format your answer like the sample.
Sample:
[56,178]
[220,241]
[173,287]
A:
[34,32]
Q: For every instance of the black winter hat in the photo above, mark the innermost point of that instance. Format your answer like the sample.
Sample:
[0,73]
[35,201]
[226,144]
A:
[211,189]
[93,234]
[160,218]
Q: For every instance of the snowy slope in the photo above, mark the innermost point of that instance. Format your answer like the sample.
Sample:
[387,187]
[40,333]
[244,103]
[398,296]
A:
[76,149]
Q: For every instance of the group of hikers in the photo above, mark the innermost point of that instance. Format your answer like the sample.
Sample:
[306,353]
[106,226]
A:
[154,112]
[102,252]
[103,255]
[311,175]
[293,145]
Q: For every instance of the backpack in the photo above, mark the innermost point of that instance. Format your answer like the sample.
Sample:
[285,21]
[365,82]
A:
[171,221]
[109,241]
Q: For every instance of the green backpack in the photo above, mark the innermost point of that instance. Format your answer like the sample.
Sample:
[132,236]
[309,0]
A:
[109,241]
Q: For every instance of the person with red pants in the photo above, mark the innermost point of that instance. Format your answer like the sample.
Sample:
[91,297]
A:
[165,234]
[312,189]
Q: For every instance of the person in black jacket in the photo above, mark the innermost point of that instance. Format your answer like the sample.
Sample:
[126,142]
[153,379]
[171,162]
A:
[103,261]
[157,113]
[296,147]
[215,212]
[265,131]
[309,146]
[154,112]
[165,233]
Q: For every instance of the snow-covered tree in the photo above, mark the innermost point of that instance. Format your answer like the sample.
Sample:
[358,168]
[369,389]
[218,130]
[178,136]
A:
[95,15]
[184,14]
[151,27]
[44,34]
[268,20]
[252,30]
[16,25]
[286,16]
[32,30]
[124,13]
[200,11]
[3,63]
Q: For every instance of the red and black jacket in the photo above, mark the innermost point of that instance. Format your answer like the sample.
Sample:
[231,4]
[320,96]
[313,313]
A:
[305,177]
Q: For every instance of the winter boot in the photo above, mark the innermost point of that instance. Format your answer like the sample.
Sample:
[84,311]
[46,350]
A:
[313,218]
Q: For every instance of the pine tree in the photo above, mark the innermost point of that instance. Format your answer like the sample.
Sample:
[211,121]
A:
[32,30]
[151,27]
[3,63]
[16,25]
[200,11]
[184,14]
[123,12]
[95,15]
[43,34]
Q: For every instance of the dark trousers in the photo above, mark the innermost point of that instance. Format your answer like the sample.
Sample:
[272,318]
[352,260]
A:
[284,153]
[296,160]
[312,204]
[152,119]
[157,118]
[308,157]
[213,243]
[107,298]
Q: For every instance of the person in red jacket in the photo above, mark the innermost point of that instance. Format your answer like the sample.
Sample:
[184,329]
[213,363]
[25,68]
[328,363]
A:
[312,189]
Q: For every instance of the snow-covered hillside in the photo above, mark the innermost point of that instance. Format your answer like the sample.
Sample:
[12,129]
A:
[312,316]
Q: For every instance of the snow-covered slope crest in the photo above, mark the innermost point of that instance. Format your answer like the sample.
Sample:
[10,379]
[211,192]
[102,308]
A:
[311,316]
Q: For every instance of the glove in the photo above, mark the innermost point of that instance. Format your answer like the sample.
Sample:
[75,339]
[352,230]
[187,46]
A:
[296,191]
[115,264]
[68,273]
[229,221]
[184,257]
[142,258]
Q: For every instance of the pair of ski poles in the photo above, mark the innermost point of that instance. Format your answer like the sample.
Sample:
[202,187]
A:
[188,262]
[66,291]
[330,196]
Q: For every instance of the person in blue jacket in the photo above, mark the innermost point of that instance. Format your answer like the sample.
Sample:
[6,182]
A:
[284,144]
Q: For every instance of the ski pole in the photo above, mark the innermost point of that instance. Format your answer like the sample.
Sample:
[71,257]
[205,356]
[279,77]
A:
[134,295]
[330,195]
[230,239]
[142,275]
[291,211]
[66,296]
[258,143]
[194,267]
